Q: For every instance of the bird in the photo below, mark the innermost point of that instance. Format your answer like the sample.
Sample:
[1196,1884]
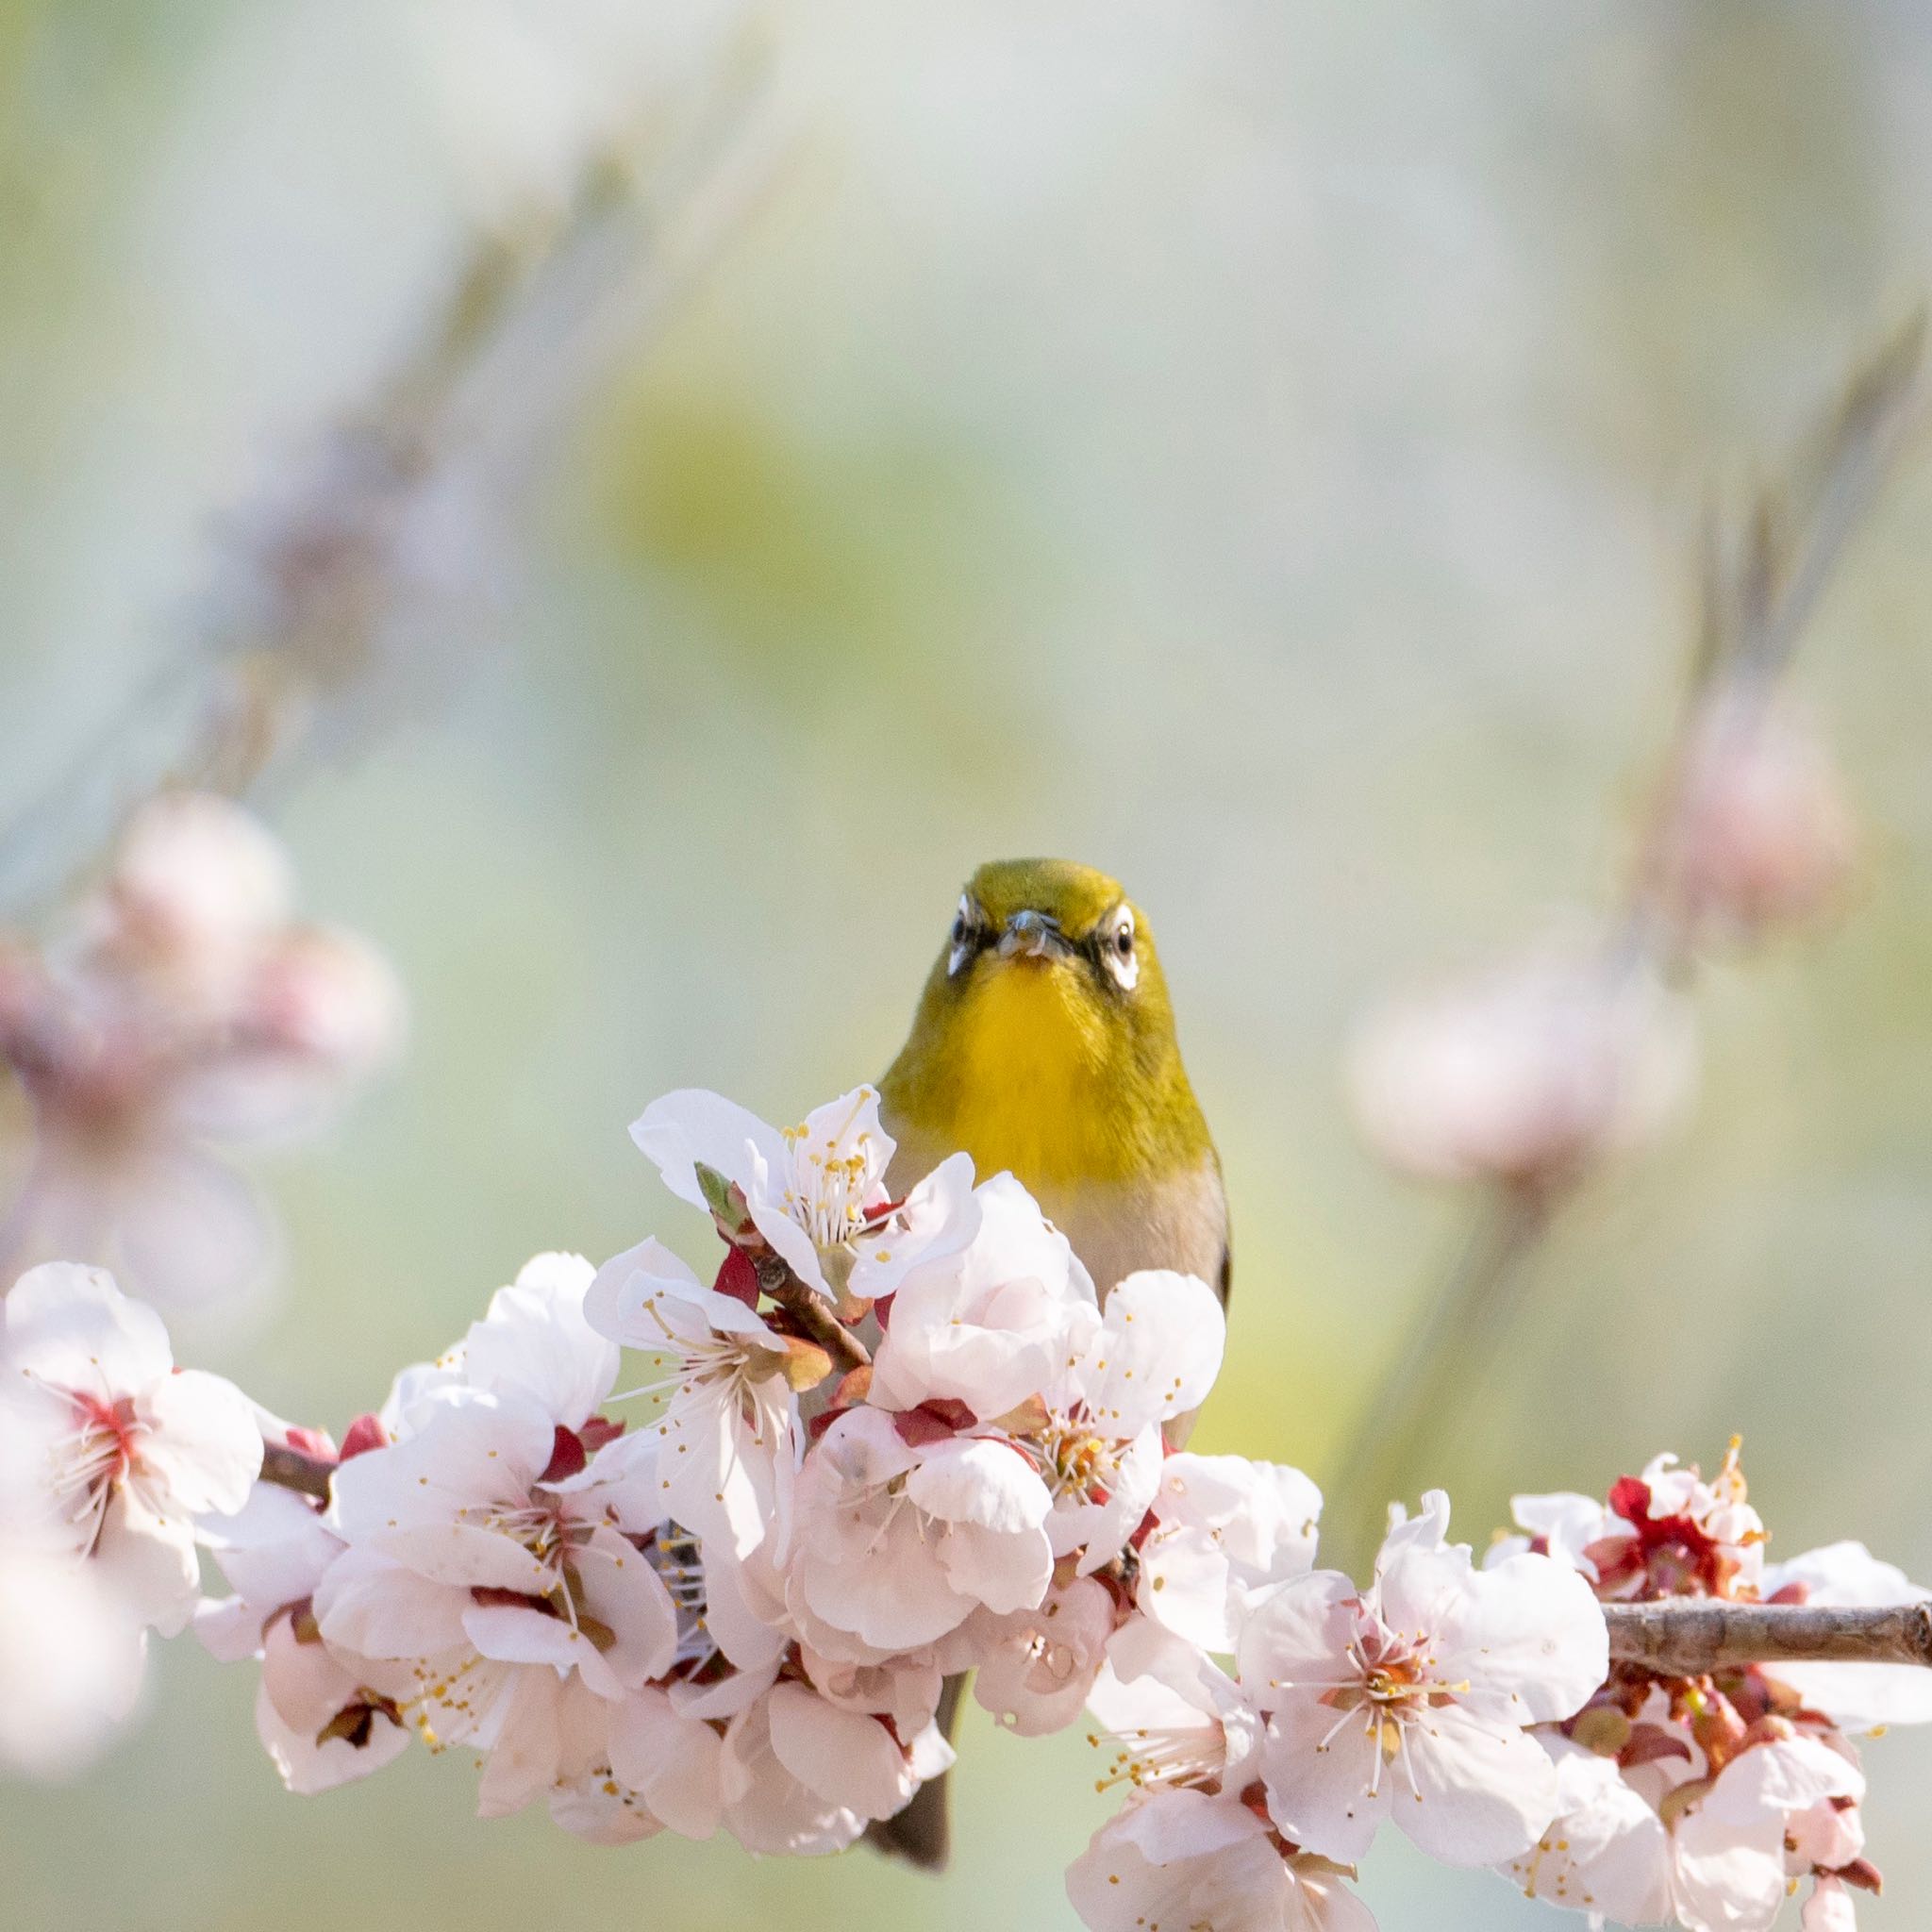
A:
[1043,1045]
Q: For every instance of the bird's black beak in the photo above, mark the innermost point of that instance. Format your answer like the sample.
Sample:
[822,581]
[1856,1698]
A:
[1033,935]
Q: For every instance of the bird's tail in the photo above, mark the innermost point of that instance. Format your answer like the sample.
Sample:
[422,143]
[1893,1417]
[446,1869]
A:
[922,1834]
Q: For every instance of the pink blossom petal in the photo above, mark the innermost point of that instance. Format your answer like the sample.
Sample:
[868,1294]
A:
[1479,1795]
[673,1762]
[849,1759]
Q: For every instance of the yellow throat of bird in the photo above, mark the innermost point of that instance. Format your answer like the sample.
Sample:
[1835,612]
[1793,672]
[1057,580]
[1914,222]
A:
[1039,1084]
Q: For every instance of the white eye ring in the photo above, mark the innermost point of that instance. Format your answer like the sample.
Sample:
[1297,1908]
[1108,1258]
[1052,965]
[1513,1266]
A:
[965,925]
[1122,960]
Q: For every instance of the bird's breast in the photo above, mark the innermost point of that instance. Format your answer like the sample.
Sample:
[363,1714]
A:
[1176,1221]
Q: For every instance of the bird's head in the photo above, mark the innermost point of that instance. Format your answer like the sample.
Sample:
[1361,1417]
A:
[1044,1040]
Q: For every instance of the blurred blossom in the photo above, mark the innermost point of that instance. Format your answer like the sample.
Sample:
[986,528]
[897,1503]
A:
[71,1663]
[1761,834]
[184,1010]
[1529,1073]
[112,1451]
[195,887]
[108,1454]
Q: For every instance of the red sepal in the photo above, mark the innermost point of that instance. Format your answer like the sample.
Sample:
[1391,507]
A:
[933,1421]
[567,1456]
[738,1278]
[599,1430]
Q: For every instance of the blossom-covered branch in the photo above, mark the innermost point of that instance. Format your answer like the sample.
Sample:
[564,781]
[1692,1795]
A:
[726,1596]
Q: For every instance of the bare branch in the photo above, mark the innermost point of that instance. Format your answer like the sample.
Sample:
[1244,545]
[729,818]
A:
[1692,1639]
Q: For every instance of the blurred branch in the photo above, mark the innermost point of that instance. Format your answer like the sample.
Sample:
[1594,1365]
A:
[389,521]
[1692,1639]
[1427,1389]
[1761,578]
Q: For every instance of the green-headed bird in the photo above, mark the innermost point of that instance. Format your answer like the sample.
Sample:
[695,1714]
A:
[1044,1046]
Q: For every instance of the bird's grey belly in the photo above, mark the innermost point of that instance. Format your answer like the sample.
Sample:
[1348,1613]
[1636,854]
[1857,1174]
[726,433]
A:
[1179,1222]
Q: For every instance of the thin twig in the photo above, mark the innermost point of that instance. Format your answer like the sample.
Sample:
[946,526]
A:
[1422,1393]
[807,1307]
[291,1468]
[1692,1639]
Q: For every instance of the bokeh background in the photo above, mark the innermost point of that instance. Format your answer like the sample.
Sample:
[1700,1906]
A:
[1252,448]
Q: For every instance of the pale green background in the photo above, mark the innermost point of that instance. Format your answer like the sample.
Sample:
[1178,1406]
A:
[1248,446]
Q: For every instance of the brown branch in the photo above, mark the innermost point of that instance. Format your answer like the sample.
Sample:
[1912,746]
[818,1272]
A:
[1690,1639]
[807,1307]
[291,1468]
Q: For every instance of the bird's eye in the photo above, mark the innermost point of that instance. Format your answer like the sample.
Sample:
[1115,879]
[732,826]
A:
[1119,953]
[962,937]
[1124,942]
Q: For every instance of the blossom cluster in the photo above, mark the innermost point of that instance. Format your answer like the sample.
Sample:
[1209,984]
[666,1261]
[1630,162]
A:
[183,1009]
[890,1442]
[1703,1801]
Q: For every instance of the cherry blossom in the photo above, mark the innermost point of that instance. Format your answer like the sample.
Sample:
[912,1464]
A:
[1224,1531]
[1759,834]
[1667,1532]
[985,1316]
[325,1715]
[904,1689]
[768,1809]
[71,1662]
[1185,1858]
[1151,1356]
[810,1190]
[1703,1801]
[897,1544]
[1193,1843]
[1669,1839]
[729,1431]
[661,1769]
[1038,1670]
[120,1451]
[1855,1697]
[1409,1699]
[495,1546]
[854,1759]
[743,1615]
[492,1505]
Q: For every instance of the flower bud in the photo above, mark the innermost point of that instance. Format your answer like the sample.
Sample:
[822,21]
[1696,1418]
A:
[328,997]
[192,871]
[1761,834]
